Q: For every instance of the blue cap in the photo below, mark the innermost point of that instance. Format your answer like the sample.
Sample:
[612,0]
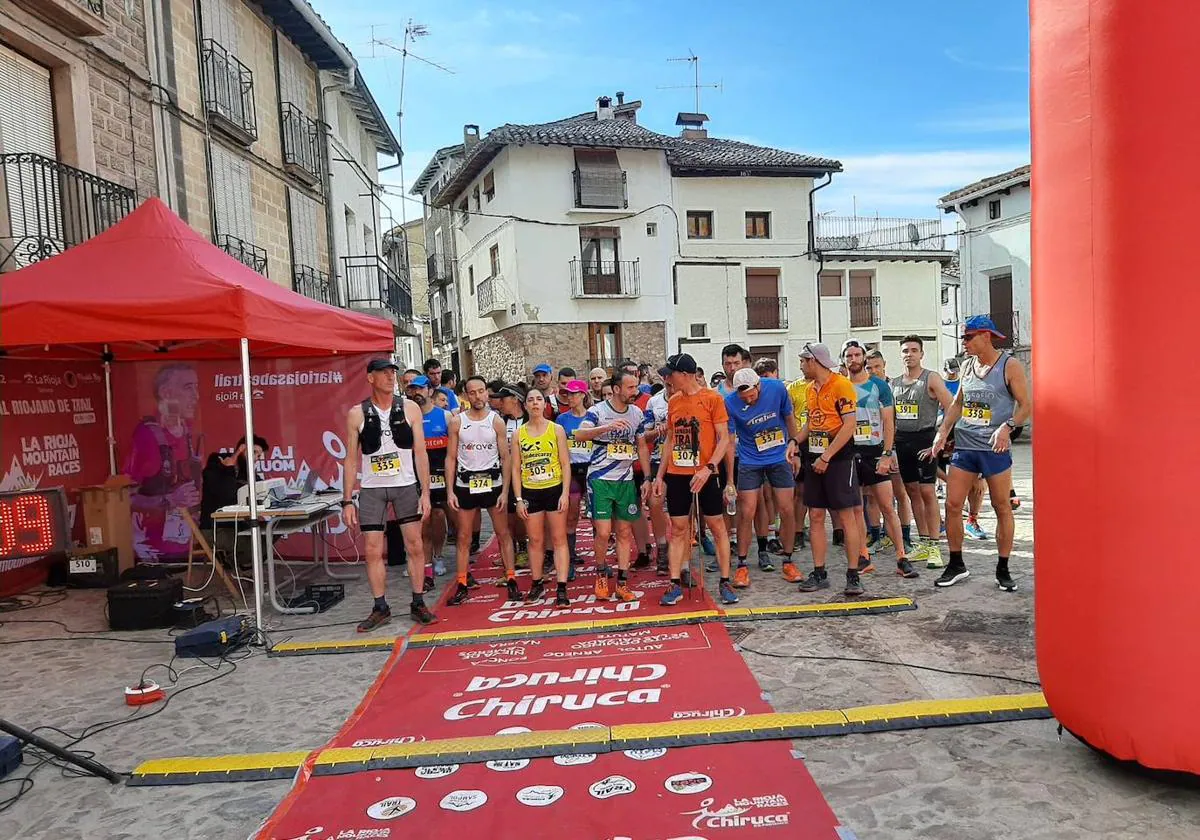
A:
[419,382]
[643,389]
[982,323]
[543,368]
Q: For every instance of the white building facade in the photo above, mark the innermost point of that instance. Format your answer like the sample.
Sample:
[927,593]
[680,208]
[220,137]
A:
[994,251]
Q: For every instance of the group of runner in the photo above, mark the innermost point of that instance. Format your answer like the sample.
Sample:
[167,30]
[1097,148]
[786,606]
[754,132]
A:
[685,461]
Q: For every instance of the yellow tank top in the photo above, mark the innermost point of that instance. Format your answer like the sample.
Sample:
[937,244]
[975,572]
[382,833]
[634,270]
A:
[798,391]
[540,467]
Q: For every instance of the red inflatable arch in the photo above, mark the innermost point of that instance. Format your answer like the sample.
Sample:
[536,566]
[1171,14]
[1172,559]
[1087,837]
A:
[1116,175]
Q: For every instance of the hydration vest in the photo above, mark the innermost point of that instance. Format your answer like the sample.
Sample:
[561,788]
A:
[371,436]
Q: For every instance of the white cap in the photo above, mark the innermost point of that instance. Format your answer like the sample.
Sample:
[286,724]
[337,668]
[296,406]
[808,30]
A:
[744,378]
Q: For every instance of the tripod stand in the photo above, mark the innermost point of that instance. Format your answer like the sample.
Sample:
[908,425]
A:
[93,767]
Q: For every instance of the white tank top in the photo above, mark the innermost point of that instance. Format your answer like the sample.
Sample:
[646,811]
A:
[478,449]
[390,466]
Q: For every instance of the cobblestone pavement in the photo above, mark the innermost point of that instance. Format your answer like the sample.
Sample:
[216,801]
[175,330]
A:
[1015,780]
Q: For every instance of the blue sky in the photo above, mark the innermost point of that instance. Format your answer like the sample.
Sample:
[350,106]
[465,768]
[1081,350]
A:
[915,97]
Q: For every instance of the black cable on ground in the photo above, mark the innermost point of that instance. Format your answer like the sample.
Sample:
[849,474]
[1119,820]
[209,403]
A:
[952,673]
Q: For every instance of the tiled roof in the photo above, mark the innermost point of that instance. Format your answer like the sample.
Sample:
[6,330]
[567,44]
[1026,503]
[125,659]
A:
[686,155]
[983,185]
[431,168]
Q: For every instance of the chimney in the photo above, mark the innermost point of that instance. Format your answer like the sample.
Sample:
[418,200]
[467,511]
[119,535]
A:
[470,136]
[693,125]
[620,97]
[604,110]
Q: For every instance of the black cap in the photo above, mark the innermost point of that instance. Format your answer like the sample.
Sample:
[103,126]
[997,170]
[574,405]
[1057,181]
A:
[679,363]
[381,364]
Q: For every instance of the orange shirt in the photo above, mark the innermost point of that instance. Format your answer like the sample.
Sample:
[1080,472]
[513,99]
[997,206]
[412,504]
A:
[692,422]
[827,404]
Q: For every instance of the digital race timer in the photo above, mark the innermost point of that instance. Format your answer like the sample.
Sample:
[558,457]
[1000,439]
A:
[33,523]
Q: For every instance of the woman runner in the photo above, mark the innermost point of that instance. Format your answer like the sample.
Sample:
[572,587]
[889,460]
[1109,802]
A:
[539,448]
[581,456]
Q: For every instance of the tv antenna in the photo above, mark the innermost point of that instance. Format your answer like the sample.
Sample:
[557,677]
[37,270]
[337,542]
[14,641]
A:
[696,85]
[412,31]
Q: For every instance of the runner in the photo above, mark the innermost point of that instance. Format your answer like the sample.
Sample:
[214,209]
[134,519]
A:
[876,538]
[477,457]
[873,439]
[388,432]
[798,394]
[831,475]
[654,438]
[597,378]
[581,456]
[919,394]
[434,373]
[543,380]
[613,426]
[992,403]
[437,435]
[540,453]
[512,410]
[766,519]
[698,429]
[761,419]
[641,527]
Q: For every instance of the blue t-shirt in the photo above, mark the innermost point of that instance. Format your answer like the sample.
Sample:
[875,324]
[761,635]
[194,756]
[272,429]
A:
[874,395]
[761,429]
[581,451]
[451,399]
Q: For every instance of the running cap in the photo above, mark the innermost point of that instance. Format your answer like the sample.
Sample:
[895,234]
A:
[982,324]
[419,382]
[679,363]
[381,364]
[543,368]
[745,379]
[820,354]
[576,386]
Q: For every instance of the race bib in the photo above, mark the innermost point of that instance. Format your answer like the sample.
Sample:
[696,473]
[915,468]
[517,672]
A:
[581,447]
[906,411]
[769,439]
[621,450]
[685,456]
[818,442]
[480,483]
[977,414]
[437,482]
[175,530]
[385,464]
[862,432]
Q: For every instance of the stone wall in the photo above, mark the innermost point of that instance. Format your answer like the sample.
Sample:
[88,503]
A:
[511,354]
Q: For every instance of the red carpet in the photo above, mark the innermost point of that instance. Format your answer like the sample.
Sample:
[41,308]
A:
[489,607]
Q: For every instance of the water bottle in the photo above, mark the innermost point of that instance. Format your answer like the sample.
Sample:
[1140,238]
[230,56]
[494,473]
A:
[730,501]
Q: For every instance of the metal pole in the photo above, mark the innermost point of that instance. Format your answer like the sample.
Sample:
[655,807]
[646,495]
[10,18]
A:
[108,402]
[255,541]
[93,767]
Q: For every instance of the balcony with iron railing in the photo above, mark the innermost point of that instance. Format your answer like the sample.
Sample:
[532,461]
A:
[864,233]
[301,144]
[600,189]
[315,284]
[47,207]
[605,279]
[766,313]
[864,312]
[439,269]
[247,253]
[375,285]
[228,92]
[491,295]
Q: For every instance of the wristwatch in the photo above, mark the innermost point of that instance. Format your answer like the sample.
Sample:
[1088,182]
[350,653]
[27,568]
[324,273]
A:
[1011,424]
[887,453]
[345,503]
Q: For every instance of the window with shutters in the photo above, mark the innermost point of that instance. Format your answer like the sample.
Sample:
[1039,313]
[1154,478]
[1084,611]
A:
[765,308]
[864,303]
[758,225]
[308,278]
[599,270]
[599,180]
[232,205]
[831,283]
[489,186]
[700,224]
[494,259]
[228,84]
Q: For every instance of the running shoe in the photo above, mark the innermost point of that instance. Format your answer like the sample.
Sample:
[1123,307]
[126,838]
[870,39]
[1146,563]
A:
[933,556]
[421,614]
[885,543]
[741,578]
[439,567]
[728,596]
[764,562]
[814,581]
[952,575]
[790,573]
[522,559]
[623,593]
[919,552]
[571,572]
[461,593]
[671,597]
[428,585]
[514,591]
[774,546]
[905,569]
[537,591]
[642,561]
[712,565]
[854,585]
[799,541]
[873,544]
[377,618]
[471,582]
[601,588]
[839,536]
[706,545]
[1004,581]
[561,599]
[662,569]
[974,531]
[865,566]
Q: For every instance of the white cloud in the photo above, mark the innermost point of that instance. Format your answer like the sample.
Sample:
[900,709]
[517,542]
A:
[957,57]
[909,184]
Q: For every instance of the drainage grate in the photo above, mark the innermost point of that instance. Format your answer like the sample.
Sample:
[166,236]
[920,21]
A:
[988,624]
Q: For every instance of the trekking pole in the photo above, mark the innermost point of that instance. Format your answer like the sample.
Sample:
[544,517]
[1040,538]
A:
[696,557]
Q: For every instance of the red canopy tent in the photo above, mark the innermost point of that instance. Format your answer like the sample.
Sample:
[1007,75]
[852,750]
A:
[150,287]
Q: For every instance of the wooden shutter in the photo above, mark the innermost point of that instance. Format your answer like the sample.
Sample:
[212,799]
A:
[292,73]
[32,190]
[219,22]
[600,181]
[231,194]
[306,214]
[762,282]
